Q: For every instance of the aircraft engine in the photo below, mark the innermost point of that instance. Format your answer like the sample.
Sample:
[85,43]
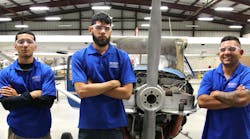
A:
[172,100]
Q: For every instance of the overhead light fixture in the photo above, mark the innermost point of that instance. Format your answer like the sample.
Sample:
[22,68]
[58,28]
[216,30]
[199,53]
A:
[39,8]
[101,7]
[52,18]
[5,19]
[147,18]
[65,25]
[235,26]
[145,25]
[226,9]
[163,8]
[192,26]
[205,19]
[248,20]
[21,26]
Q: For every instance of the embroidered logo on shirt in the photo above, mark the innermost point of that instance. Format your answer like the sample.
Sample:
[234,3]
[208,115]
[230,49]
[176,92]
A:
[113,64]
[36,78]
[232,85]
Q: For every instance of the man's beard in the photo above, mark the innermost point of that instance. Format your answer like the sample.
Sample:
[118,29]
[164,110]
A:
[101,42]
[26,56]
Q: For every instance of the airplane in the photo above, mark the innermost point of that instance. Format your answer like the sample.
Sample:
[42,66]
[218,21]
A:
[162,96]
[177,101]
[56,47]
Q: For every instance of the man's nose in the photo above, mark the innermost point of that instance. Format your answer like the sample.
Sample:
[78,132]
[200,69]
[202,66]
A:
[103,29]
[25,43]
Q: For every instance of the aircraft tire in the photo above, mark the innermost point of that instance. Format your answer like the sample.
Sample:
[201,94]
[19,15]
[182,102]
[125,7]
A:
[66,135]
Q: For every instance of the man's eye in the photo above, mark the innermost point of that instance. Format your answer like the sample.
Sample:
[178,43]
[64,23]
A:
[107,28]
[98,27]
[29,41]
[231,48]
[21,41]
[223,49]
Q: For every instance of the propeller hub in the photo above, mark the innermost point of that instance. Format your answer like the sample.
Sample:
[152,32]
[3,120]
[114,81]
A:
[150,98]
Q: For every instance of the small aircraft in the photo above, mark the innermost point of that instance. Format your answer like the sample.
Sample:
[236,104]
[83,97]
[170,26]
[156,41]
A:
[162,96]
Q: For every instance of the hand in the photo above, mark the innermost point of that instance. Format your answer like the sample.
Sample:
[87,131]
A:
[215,93]
[8,91]
[36,94]
[240,87]
[90,81]
[115,83]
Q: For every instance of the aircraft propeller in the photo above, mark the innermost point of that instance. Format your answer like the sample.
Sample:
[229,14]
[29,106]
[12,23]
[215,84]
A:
[150,96]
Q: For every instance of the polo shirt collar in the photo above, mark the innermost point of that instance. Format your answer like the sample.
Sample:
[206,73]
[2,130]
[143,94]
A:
[92,50]
[17,67]
[236,72]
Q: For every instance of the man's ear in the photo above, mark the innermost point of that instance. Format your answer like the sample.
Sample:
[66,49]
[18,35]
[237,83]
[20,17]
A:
[241,52]
[15,46]
[90,29]
[35,46]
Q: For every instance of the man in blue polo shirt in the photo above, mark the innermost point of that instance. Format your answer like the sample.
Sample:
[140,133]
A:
[224,92]
[27,90]
[102,77]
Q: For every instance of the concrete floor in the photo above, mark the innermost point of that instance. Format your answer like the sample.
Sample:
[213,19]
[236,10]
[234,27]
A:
[65,119]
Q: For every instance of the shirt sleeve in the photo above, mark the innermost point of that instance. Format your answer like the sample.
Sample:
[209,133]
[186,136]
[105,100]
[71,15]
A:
[206,84]
[128,75]
[246,78]
[3,79]
[15,102]
[48,84]
[78,71]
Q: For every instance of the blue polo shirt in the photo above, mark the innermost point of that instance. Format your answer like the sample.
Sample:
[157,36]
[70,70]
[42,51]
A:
[102,112]
[229,123]
[29,122]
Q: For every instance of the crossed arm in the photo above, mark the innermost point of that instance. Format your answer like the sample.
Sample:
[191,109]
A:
[111,88]
[12,100]
[220,100]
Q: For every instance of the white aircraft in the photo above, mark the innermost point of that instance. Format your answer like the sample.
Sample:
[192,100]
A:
[162,97]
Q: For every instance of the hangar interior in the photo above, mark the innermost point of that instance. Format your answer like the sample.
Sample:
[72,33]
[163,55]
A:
[201,22]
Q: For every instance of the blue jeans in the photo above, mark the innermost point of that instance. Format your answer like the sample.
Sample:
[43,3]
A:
[100,134]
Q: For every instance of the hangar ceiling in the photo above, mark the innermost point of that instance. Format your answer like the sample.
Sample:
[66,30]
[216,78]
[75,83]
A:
[178,10]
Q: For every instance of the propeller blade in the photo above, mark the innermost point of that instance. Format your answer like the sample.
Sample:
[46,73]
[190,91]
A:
[154,47]
[154,43]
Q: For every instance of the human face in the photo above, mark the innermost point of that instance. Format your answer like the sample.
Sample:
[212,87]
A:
[25,45]
[101,33]
[230,53]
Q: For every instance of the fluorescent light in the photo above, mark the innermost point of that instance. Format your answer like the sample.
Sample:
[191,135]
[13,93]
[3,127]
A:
[235,26]
[39,8]
[101,7]
[226,9]
[248,20]
[192,26]
[205,18]
[4,19]
[65,25]
[21,26]
[52,18]
[147,18]
[145,25]
[163,8]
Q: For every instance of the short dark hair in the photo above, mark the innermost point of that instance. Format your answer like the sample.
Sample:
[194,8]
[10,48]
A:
[25,32]
[228,38]
[102,17]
